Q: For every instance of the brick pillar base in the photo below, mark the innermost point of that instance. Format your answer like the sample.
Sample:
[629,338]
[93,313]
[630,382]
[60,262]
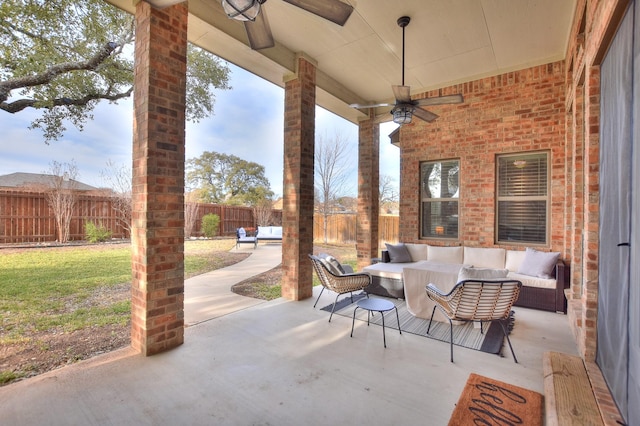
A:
[157,234]
[297,211]
[368,189]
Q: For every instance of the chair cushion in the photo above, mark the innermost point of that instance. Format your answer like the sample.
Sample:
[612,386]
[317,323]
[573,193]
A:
[331,263]
[398,253]
[470,273]
[538,264]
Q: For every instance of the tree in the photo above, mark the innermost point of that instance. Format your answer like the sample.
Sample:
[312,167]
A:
[118,179]
[190,212]
[263,213]
[388,198]
[61,196]
[62,57]
[224,178]
[332,172]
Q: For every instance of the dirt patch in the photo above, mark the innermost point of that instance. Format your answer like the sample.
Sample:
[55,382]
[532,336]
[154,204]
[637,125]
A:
[39,352]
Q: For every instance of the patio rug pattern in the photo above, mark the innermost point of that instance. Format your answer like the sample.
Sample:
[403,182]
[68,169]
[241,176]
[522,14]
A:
[464,335]
[486,401]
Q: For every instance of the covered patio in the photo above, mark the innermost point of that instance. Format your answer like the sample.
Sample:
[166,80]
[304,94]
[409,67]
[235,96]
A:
[282,363]
[530,75]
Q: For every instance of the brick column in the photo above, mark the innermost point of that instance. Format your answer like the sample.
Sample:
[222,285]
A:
[297,210]
[157,234]
[368,191]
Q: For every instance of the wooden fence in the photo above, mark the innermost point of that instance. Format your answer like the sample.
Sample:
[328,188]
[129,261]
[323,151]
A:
[341,228]
[25,217]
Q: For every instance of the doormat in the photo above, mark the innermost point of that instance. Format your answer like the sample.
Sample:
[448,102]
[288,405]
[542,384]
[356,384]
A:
[464,335]
[486,401]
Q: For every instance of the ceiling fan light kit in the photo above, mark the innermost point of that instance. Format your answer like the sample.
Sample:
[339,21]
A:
[242,10]
[402,113]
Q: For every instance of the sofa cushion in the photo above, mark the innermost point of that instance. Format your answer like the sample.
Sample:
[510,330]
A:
[514,259]
[529,281]
[484,257]
[398,253]
[417,251]
[471,273]
[276,231]
[538,264]
[445,254]
[388,270]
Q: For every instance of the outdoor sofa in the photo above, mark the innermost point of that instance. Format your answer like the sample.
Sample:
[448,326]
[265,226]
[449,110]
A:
[269,233]
[541,273]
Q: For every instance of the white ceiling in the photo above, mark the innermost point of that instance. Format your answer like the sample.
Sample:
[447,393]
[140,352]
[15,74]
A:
[447,42]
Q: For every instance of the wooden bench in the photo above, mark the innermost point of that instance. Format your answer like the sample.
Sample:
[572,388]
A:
[569,398]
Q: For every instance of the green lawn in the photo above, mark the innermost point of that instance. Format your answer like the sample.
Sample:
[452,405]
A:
[57,288]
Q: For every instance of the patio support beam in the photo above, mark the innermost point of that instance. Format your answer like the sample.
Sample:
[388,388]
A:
[157,229]
[297,210]
[368,190]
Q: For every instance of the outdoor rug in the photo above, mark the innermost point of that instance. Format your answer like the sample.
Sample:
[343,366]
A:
[465,335]
[487,401]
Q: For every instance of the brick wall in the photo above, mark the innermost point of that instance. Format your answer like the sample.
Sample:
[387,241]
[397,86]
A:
[515,112]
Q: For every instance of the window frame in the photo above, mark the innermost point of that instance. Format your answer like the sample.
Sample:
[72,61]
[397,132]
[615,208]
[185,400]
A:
[424,201]
[524,198]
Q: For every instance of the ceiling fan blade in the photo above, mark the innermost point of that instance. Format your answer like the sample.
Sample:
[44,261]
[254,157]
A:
[360,106]
[425,115]
[441,100]
[402,94]
[333,10]
[259,32]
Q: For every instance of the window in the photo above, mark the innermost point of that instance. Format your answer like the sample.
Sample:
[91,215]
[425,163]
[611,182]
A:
[439,193]
[523,198]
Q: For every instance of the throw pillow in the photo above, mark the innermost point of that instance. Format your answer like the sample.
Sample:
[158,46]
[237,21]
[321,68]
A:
[470,273]
[331,263]
[538,263]
[242,233]
[398,253]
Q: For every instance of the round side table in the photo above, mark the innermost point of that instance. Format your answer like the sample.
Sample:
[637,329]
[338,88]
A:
[375,305]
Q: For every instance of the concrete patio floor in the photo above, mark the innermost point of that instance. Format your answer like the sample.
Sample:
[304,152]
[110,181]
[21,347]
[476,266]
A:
[281,363]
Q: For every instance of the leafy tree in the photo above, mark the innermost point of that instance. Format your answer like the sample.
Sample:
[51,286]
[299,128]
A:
[224,178]
[332,169]
[64,56]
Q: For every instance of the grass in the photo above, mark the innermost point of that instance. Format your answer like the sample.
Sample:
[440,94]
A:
[45,289]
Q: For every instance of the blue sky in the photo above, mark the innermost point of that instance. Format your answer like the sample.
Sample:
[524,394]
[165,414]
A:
[247,122]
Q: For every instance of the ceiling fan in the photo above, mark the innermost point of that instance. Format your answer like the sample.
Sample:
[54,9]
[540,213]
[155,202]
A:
[257,25]
[404,108]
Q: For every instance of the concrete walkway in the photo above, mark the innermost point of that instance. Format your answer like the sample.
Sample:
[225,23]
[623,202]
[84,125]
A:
[209,295]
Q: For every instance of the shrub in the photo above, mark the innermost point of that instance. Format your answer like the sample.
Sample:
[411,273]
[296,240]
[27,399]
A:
[210,224]
[96,233]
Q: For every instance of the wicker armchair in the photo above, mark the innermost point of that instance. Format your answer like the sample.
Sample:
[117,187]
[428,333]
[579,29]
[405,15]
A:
[337,281]
[476,300]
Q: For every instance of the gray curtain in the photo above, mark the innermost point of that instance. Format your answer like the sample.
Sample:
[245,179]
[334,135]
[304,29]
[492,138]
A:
[616,131]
